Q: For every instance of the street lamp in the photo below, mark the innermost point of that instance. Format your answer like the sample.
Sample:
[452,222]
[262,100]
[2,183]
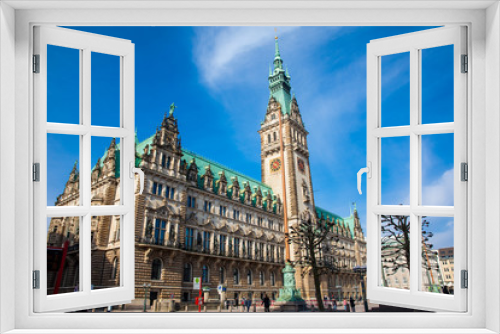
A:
[362,270]
[146,286]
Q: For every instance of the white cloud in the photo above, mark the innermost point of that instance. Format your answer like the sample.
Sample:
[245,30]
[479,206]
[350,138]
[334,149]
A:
[439,192]
[218,51]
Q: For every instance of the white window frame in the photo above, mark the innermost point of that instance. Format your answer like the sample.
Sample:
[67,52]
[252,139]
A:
[413,43]
[85,43]
[16,21]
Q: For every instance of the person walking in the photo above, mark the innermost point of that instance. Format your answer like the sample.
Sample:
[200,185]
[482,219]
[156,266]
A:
[353,305]
[243,303]
[266,302]
[346,306]
[334,303]
[248,303]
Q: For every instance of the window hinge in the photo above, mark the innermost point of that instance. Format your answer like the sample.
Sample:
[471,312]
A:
[36,279]
[464,171]
[36,63]
[465,64]
[465,279]
[36,172]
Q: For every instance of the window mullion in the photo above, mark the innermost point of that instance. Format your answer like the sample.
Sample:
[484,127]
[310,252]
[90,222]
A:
[414,167]
[86,171]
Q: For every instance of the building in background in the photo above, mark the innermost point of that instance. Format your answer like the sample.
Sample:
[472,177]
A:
[198,218]
[448,268]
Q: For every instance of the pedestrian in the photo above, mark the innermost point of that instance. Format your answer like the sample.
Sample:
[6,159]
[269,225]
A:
[353,305]
[243,303]
[346,306]
[266,302]
[248,303]
[334,303]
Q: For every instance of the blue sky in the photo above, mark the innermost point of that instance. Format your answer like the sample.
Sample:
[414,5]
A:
[217,76]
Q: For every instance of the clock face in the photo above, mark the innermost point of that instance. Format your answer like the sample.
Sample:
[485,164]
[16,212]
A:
[275,165]
[302,166]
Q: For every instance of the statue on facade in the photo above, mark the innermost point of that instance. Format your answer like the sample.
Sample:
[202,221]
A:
[149,228]
[172,108]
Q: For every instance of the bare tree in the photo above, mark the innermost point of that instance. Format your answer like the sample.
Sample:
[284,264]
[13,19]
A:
[395,247]
[316,251]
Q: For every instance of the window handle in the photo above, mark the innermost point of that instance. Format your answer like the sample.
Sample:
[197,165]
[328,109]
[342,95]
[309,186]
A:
[368,171]
[134,170]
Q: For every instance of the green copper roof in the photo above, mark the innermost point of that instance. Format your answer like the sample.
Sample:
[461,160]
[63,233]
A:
[279,82]
[216,168]
[348,222]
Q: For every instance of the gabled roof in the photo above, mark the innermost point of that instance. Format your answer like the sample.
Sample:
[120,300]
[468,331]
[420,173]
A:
[348,221]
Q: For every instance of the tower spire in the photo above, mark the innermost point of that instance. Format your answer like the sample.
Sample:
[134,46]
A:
[279,81]
[276,47]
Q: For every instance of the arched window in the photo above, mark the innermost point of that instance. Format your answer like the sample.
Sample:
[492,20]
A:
[273,116]
[261,278]
[236,276]
[156,269]
[269,138]
[274,136]
[222,275]
[273,282]
[249,277]
[187,272]
[204,274]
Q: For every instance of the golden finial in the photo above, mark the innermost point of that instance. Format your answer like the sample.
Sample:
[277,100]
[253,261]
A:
[276,33]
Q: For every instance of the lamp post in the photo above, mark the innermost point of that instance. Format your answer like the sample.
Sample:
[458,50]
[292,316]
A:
[146,286]
[362,270]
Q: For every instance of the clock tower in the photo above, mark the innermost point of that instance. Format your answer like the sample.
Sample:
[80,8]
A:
[294,161]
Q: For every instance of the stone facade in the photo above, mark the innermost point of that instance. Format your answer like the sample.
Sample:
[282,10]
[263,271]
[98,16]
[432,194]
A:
[197,218]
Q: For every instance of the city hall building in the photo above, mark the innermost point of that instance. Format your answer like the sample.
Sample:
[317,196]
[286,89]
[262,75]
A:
[198,218]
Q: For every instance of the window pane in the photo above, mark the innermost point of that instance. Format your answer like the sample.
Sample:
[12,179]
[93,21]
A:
[105,171]
[437,84]
[395,171]
[105,241]
[437,255]
[395,251]
[63,85]
[437,169]
[63,255]
[105,90]
[63,176]
[395,90]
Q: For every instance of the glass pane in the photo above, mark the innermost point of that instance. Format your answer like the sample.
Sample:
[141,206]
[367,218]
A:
[437,255]
[395,251]
[395,170]
[395,89]
[437,84]
[63,255]
[437,169]
[63,85]
[105,171]
[63,176]
[105,239]
[105,90]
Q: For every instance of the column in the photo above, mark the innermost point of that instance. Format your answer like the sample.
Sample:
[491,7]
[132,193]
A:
[167,237]
[212,241]
[176,234]
[195,239]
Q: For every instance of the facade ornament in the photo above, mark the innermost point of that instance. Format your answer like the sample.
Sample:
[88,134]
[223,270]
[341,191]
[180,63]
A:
[222,183]
[149,228]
